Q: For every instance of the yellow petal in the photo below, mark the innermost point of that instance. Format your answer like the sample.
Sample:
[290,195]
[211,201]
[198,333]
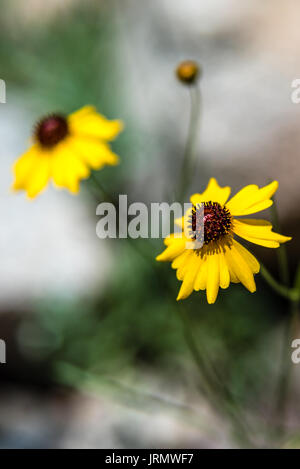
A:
[174,249]
[67,169]
[248,257]
[224,271]
[213,192]
[185,260]
[180,261]
[23,167]
[213,277]
[258,232]
[187,286]
[88,122]
[239,267]
[233,276]
[93,152]
[201,278]
[172,238]
[251,199]
[39,176]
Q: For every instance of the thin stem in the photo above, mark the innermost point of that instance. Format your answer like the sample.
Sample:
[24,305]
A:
[191,344]
[289,293]
[286,366]
[188,164]
[297,279]
[215,391]
[99,186]
[293,297]
[281,251]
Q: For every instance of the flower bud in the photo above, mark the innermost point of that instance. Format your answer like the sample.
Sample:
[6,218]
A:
[188,72]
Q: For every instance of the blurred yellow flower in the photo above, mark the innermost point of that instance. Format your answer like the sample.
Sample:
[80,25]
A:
[65,149]
[216,258]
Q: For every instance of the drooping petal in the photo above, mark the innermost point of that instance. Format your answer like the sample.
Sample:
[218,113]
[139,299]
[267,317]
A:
[39,177]
[88,122]
[183,263]
[93,152]
[23,167]
[224,271]
[187,285]
[32,171]
[252,199]
[67,169]
[239,269]
[213,192]
[213,277]
[201,278]
[258,232]
[233,276]
[248,257]
[180,260]
[175,246]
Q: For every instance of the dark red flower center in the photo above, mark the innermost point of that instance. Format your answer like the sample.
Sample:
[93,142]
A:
[51,130]
[208,222]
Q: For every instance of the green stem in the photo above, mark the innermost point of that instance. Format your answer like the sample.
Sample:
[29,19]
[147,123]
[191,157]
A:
[291,294]
[290,322]
[281,251]
[286,366]
[214,389]
[191,344]
[188,164]
[97,183]
[297,278]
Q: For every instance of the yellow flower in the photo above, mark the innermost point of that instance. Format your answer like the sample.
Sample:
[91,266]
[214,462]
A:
[65,149]
[216,257]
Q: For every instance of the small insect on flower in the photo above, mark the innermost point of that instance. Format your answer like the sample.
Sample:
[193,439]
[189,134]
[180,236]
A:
[65,149]
[207,256]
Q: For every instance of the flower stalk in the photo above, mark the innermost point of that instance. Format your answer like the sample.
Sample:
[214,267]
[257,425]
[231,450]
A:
[291,294]
[281,251]
[106,196]
[213,387]
[293,297]
[189,157]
